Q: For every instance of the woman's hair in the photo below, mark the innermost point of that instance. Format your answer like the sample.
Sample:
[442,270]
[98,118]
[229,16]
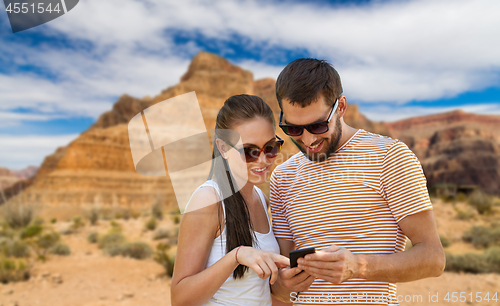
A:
[236,110]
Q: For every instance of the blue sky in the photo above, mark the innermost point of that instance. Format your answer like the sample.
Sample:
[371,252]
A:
[397,59]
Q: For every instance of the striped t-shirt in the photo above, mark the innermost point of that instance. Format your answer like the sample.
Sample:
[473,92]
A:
[354,199]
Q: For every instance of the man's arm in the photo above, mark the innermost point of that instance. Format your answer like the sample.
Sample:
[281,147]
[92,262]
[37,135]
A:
[425,259]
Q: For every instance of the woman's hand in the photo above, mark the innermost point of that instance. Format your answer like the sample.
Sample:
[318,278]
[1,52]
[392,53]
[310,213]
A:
[264,263]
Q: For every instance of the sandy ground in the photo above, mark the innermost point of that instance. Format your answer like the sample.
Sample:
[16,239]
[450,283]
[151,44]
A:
[89,278]
[417,293]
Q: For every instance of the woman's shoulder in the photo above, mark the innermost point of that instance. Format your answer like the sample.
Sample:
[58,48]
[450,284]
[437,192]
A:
[204,197]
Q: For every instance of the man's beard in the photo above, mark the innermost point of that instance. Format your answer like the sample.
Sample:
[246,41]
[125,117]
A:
[333,144]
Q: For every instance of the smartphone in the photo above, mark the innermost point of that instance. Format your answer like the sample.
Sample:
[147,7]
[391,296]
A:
[296,254]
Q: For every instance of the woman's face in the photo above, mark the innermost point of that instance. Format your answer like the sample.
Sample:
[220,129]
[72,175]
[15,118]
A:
[256,133]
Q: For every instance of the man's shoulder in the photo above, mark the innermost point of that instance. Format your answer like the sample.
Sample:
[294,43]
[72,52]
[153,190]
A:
[391,149]
[291,164]
[372,139]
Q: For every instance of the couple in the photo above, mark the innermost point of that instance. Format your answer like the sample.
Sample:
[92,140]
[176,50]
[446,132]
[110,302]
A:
[353,195]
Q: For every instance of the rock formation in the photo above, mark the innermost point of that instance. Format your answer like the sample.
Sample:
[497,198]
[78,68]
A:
[455,147]
[97,167]
[14,181]
[7,178]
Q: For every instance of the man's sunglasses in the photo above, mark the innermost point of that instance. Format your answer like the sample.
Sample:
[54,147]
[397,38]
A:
[252,153]
[313,128]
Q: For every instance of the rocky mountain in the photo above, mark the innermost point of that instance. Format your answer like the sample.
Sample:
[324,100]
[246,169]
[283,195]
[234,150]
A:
[7,178]
[97,168]
[455,147]
[14,181]
[26,173]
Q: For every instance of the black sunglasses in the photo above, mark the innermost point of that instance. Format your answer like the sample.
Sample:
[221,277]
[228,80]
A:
[252,153]
[313,128]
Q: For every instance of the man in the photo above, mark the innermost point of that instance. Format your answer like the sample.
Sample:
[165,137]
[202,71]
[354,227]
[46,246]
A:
[354,196]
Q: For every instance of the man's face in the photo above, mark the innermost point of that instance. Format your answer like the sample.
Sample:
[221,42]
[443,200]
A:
[317,147]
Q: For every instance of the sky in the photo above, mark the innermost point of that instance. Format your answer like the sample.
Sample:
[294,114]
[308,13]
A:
[397,59]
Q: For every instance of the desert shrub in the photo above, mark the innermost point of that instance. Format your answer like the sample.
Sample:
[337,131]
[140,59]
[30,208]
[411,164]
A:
[482,202]
[115,227]
[482,237]
[93,237]
[445,242]
[18,215]
[14,248]
[13,270]
[93,215]
[176,219]
[461,197]
[464,215]
[137,250]
[151,224]
[469,263]
[118,214]
[53,220]
[31,231]
[447,198]
[122,213]
[488,262]
[135,214]
[161,233]
[156,210]
[162,257]
[60,249]
[493,259]
[38,221]
[113,249]
[113,238]
[43,243]
[7,232]
[77,224]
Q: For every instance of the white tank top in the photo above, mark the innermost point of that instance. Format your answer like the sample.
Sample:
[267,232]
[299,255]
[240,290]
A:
[250,290]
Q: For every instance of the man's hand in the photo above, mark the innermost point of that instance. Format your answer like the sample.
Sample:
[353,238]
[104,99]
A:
[291,280]
[333,264]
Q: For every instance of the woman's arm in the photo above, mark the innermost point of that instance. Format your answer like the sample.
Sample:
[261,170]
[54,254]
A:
[192,284]
[197,232]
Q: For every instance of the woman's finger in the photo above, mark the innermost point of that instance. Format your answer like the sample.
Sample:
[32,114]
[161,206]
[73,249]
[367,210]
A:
[264,266]
[257,269]
[277,258]
[273,268]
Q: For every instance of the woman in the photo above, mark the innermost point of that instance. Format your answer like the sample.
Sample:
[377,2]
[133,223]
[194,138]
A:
[227,253]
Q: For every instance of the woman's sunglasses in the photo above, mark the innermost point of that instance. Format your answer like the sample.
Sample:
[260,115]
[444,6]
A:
[252,153]
[313,128]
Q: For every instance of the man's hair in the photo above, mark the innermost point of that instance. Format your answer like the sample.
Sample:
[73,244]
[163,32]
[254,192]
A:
[304,79]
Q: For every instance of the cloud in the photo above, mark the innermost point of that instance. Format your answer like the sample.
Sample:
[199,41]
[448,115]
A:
[19,152]
[84,84]
[387,53]
[390,51]
[260,70]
